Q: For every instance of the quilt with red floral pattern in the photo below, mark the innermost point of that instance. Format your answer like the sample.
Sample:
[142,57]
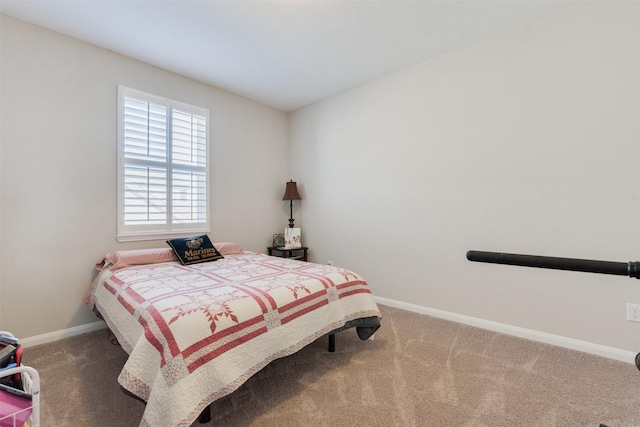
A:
[196,333]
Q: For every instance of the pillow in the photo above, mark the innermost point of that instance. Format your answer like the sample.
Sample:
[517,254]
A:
[228,248]
[192,250]
[126,258]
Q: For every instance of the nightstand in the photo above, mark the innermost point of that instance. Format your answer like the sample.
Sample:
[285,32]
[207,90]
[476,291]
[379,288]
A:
[298,253]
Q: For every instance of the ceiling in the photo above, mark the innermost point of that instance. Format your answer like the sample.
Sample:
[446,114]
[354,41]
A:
[286,54]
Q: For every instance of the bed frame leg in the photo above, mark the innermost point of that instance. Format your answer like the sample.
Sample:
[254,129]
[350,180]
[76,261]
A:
[205,415]
[332,343]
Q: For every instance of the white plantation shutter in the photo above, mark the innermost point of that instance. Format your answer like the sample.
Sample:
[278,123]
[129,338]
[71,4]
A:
[189,177]
[162,167]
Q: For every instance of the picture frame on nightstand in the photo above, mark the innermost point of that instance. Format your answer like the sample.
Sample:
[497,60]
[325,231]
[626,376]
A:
[292,238]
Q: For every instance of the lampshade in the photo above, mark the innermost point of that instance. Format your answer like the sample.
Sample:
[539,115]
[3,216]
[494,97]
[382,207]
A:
[291,192]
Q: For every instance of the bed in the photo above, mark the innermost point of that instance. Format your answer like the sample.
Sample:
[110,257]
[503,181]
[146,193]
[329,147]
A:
[196,332]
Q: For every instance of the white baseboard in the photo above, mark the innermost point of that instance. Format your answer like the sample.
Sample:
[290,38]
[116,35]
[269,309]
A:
[557,340]
[64,333]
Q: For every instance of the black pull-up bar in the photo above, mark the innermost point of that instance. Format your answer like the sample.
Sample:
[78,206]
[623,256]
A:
[631,269]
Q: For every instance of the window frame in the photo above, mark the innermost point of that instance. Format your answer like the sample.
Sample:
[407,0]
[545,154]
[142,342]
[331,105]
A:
[169,229]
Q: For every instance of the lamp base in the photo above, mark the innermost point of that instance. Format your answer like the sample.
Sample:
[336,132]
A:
[290,213]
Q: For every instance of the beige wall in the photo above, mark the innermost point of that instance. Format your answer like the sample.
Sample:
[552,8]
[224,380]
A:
[58,169]
[527,141]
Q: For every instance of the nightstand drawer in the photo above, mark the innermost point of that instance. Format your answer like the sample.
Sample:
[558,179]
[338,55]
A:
[298,253]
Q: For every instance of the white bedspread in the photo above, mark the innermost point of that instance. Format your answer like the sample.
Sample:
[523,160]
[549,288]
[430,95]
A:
[196,333]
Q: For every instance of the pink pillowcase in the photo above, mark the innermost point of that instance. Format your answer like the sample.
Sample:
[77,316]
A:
[228,248]
[120,259]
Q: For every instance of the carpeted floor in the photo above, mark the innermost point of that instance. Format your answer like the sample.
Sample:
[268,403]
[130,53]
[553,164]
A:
[418,371]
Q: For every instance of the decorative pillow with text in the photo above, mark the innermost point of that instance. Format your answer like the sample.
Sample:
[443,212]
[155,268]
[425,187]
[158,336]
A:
[192,250]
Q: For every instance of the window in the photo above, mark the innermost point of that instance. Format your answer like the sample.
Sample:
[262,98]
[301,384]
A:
[162,167]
